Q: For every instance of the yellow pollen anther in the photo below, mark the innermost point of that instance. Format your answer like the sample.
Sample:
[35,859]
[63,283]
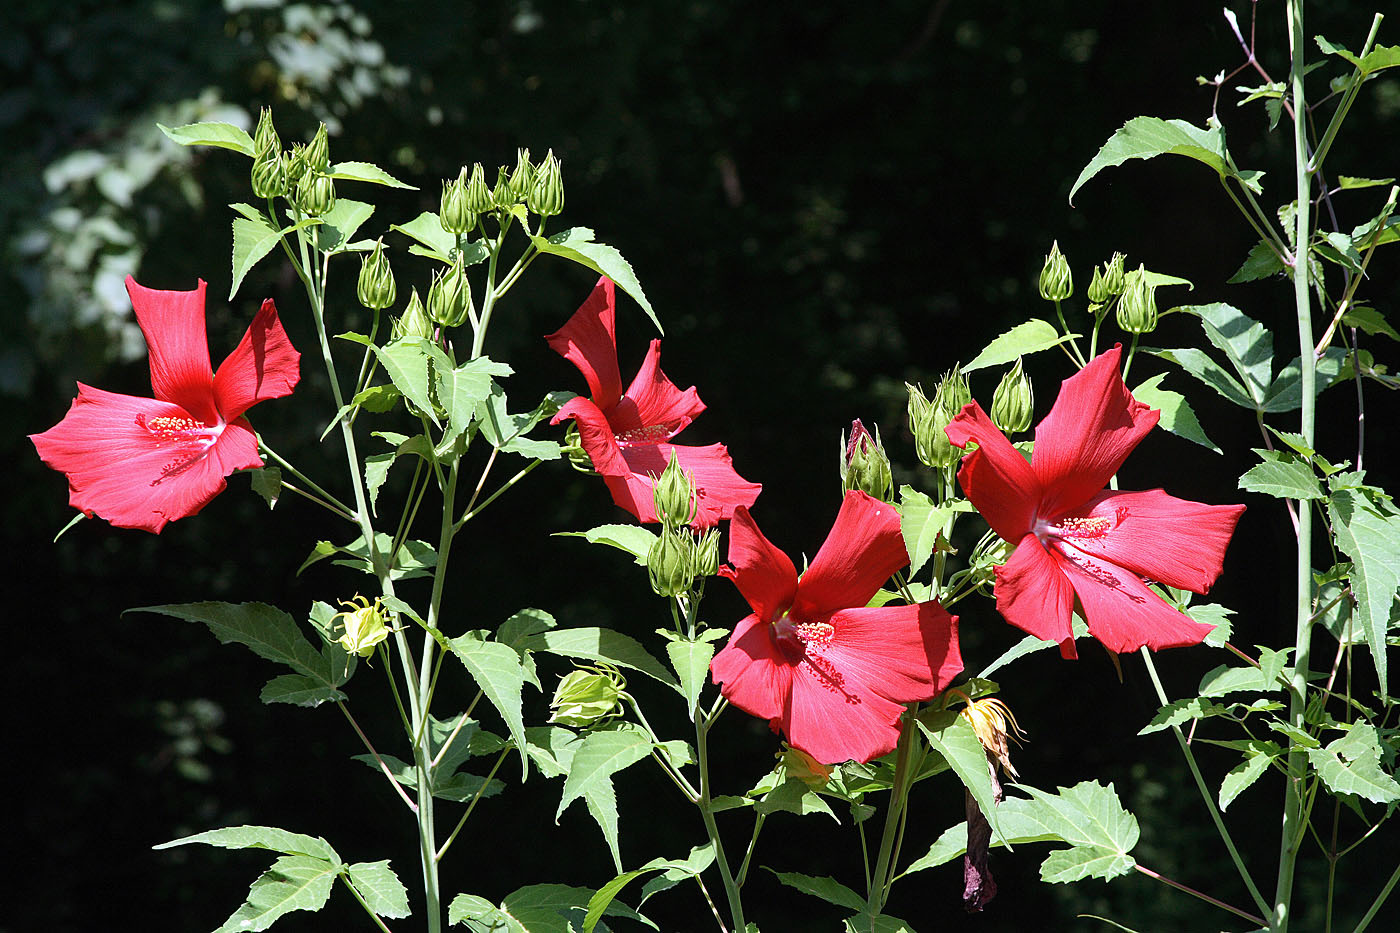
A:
[1082,527]
[819,633]
[650,434]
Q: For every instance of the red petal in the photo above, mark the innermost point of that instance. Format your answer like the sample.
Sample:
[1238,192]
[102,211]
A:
[589,341]
[264,365]
[652,404]
[1163,538]
[752,671]
[1034,595]
[995,477]
[862,550]
[764,575]
[903,653]
[1123,613]
[719,489]
[1092,427]
[595,434]
[118,470]
[834,720]
[173,323]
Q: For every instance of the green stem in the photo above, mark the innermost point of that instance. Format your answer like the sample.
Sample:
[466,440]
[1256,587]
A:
[731,888]
[878,891]
[1258,921]
[1348,98]
[472,806]
[368,909]
[1380,899]
[1293,815]
[1206,794]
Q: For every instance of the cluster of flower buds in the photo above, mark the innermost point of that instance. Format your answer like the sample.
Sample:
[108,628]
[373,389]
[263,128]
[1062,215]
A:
[363,626]
[314,190]
[864,464]
[467,197]
[1013,403]
[927,419]
[1137,309]
[375,288]
[588,696]
[1106,285]
[680,553]
[1056,281]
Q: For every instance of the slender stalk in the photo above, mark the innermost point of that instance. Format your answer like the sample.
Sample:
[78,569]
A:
[1291,835]
[702,754]
[370,747]
[1380,900]
[878,890]
[368,909]
[1330,134]
[1259,921]
[472,806]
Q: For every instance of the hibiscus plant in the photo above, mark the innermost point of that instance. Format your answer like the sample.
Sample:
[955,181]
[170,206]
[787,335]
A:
[854,660]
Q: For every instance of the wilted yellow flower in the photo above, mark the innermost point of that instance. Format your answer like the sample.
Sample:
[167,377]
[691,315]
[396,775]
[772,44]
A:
[994,724]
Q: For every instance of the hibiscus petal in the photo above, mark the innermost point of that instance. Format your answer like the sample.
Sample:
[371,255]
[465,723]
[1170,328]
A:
[995,477]
[173,323]
[834,720]
[595,434]
[1092,427]
[764,575]
[1158,536]
[1123,613]
[589,341]
[751,670]
[718,488]
[264,365]
[1034,595]
[903,653]
[653,407]
[119,470]
[862,550]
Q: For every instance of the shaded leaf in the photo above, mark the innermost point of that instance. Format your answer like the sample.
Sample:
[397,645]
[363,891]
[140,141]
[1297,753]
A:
[1177,416]
[828,889]
[1370,536]
[601,644]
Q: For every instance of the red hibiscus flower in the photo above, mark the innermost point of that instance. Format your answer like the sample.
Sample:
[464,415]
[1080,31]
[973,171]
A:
[829,673]
[625,433]
[1079,542]
[142,462]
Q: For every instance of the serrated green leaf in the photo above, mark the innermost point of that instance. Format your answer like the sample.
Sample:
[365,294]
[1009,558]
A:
[1268,677]
[828,889]
[366,171]
[506,432]
[376,471]
[260,837]
[1257,760]
[601,644]
[691,662]
[498,671]
[577,243]
[461,390]
[252,240]
[1177,417]
[294,882]
[536,908]
[1261,263]
[1216,616]
[920,522]
[864,923]
[1199,364]
[1022,340]
[1179,712]
[339,224]
[1348,182]
[410,362]
[381,888]
[223,135]
[699,859]
[1283,475]
[267,482]
[1351,765]
[1370,321]
[603,753]
[951,735]
[1370,537]
[458,787]
[1248,346]
[1286,391]
[1148,137]
[414,558]
[634,539]
[299,690]
[1027,645]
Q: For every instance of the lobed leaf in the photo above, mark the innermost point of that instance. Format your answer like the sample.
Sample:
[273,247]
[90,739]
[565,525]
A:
[1022,340]
[1177,416]
[601,644]
[1369,534]
[498,671]
[951,735]
[634,539]
[1283,475]
[691,662]
[381,888]
[294,882]
[602,753]
[1148,137]
[260,837]
[577,243]
[367,171]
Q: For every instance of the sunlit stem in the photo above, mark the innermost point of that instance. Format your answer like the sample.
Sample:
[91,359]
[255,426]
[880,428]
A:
[1345,304]
[472,806]
[1071,344]
[1205,790]
[1205,897]
[368,909]
[879,889]
[702,754]
[504,487]
[1379,901]
[1348,98]
[326,499]
[375,754]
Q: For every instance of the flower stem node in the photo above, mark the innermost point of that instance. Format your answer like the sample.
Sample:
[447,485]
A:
[315,194]
[450,297]
[375,288]
[363,624]
[670,562]
[454,215]
[1056,281]
[1137,309]
[587,696]
[478,196]
[673,495]
[1013,403]
[547,188]
[864,464]
[414,320]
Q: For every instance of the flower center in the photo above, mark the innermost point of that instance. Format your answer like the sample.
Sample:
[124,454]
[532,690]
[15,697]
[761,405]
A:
[1078,532]
[649,434]
[188,438]
[806,643]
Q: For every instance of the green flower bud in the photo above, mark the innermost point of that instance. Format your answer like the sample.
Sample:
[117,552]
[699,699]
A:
[523,175]
[297,166]
[705,559]
[414,320]
[547,189]
[1137,309]
[1056,281]
[452,210]
[269,174]
[364,625]
[318,151]
[673,495]
[927,419]
[587,696]
[1098,289]
[503,195]
[573,449]
[478,197]
[265,137]
[669,563]
[1113,274]
[1013,404]
[864,465]
[450,297]
[376,288]
[315,194]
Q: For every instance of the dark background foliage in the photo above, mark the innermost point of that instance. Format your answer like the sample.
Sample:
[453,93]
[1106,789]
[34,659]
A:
[822,201]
